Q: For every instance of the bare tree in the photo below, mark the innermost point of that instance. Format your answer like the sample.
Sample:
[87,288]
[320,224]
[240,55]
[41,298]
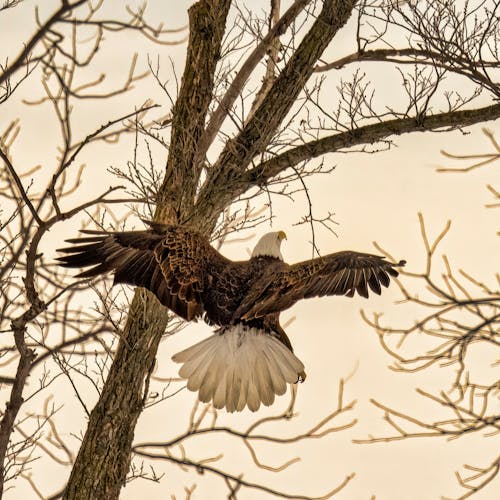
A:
[230,140]
[459,312]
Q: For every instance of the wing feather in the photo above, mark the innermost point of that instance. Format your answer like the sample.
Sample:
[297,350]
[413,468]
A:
[341,273]
[171,261]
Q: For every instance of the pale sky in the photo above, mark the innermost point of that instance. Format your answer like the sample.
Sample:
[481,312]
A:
[375,197]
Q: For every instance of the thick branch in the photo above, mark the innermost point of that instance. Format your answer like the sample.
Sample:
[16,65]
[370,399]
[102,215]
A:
[365,135]
[207,25]
[244,73]
[255,136]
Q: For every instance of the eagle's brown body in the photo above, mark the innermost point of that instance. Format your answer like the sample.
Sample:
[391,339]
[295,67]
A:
[244,298]
[232,282]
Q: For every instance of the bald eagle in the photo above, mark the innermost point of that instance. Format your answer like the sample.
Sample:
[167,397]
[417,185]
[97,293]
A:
[249,359]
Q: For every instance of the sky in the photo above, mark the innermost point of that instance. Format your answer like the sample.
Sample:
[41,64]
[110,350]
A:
[375,197]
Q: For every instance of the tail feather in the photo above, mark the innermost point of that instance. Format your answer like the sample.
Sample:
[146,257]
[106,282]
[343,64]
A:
[239,366]
[252,388]
[212,379]
[264,381]
[242,400]
[220,393]
[198,372]
[194,368]
[233,390]
[288,365]
[277,378]
[193,351]
[253,395]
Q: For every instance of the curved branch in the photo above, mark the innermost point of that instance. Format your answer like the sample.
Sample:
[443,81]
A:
[29,46]
[366,135]
[408,55]
[238,480]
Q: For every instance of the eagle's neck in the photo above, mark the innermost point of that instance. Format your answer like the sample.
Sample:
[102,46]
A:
[273,256]
[268,246]
[267,258]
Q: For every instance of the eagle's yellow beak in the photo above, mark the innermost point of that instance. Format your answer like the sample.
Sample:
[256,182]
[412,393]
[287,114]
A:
[282,235]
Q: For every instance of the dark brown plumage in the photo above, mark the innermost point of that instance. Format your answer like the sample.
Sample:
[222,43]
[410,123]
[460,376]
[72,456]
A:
[192,279]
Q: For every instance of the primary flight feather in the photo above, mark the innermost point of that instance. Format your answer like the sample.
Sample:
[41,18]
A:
[249,359]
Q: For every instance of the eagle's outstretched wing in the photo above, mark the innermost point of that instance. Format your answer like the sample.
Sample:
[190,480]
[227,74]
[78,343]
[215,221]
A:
[341,273]
[170,261]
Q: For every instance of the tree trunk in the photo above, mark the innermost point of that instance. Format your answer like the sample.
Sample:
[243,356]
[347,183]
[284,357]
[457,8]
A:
[103,461]
[101,467]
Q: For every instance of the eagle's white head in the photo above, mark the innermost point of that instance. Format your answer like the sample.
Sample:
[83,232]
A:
[270,245]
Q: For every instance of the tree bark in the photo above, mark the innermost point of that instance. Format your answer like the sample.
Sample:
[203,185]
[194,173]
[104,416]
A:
[104,457]
[367,134]
[207,25]
[259,130]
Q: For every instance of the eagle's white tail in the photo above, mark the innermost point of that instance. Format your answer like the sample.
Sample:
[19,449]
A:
[239,366]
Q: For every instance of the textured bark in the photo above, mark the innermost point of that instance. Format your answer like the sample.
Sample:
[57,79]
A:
[104,458]
[207,21]
[255,136]
[367,135]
